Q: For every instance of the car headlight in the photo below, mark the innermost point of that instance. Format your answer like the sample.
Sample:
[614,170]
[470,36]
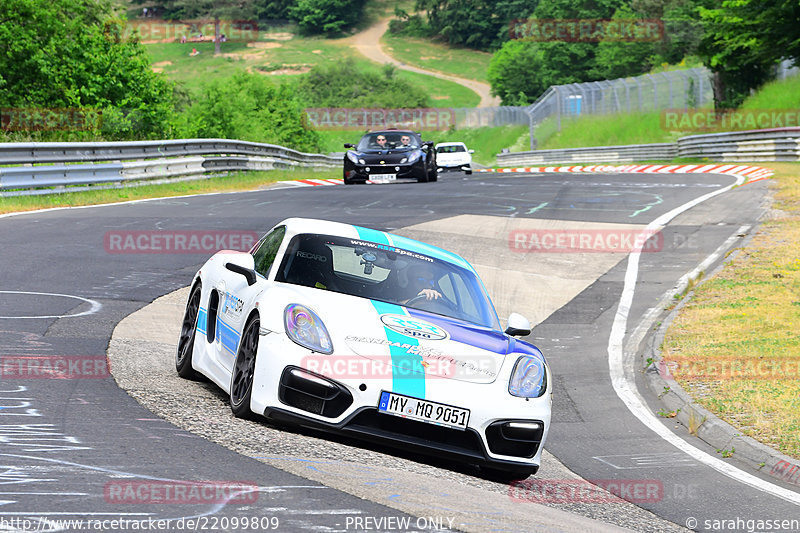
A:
[529,379]
[354,158]
[305,328]
[413,157]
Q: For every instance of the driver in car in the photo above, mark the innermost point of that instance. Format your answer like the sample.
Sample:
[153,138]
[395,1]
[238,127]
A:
[421,283]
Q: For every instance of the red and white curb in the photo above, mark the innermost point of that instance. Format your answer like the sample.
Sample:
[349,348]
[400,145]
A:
[313,182]
[750,173]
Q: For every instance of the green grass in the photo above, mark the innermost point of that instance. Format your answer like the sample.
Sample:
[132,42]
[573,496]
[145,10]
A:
[233,182]
[424,53]
[443,93]
[295,55]
[487,142]
[748,314]
[783,94]
[641,128]
[283,61]
[605,130]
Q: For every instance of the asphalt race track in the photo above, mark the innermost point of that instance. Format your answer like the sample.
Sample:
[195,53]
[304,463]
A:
[71,447]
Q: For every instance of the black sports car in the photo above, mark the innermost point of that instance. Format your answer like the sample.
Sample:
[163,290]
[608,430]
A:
[389,155]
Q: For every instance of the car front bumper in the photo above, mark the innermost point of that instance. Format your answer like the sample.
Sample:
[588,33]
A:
[492,438]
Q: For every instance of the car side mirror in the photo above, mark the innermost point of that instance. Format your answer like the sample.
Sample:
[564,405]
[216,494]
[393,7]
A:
[248,273]
[428,144]
[471,151]
[348,145]
[518,325]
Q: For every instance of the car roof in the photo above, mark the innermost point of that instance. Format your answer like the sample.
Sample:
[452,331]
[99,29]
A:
[453,143]
[391,131]
[295,226]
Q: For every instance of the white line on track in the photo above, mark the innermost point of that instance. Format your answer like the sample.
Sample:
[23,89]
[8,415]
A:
[95,306]
[626,388]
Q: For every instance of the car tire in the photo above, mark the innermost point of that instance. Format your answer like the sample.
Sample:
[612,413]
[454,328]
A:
[507,476]
[433,174]
[423,178]
[468,171]
[244,365]
[183,356]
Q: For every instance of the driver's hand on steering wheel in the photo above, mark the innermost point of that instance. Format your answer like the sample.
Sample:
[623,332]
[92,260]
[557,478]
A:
[430,294]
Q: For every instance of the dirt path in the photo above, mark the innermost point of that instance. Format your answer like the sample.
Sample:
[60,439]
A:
[368,42]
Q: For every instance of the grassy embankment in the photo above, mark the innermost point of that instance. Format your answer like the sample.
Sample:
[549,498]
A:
[639,128]
[282,55]
[748,315]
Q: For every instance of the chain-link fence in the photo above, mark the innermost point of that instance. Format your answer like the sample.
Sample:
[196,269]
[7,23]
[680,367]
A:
[679,89]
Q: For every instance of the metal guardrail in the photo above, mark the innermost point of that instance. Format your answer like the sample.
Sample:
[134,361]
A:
[756,145]
[111,162]
[596,154]
[780,144]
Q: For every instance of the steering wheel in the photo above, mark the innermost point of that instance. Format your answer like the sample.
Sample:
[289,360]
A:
[421,298]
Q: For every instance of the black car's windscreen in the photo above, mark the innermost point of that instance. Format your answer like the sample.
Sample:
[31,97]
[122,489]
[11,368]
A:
[386,273]
[399,140]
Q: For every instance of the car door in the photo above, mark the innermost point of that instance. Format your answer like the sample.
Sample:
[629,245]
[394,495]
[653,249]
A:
[237,298]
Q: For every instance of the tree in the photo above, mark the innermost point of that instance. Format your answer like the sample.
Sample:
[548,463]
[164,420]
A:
[344,84]
[479,24]
[250,108]
[327,16]
[515,72]
[69,54]
[743,41]
[619,59]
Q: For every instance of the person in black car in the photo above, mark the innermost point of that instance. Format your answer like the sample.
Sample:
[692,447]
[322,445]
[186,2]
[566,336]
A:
[381,141]
[405,142]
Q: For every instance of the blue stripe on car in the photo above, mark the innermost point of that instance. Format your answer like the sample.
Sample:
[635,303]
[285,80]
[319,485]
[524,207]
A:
[202,319]
[227,336]
[408,374]
[466,333]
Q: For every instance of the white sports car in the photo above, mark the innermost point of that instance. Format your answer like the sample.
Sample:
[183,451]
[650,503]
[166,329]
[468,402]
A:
[372,335]
[453,156]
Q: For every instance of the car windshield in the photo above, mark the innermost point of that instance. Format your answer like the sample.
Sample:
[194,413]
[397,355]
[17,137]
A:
[393,140]
[386,273]
[451,149]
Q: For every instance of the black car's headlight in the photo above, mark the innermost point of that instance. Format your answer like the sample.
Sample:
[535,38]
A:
[354,158]
[413,157]
[529,378]
[305,328]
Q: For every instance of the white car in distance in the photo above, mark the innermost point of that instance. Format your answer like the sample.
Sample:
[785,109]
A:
[453,156]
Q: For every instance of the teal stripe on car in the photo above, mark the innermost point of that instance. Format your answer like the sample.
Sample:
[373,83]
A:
[408,374]
[202,318]
[372,235]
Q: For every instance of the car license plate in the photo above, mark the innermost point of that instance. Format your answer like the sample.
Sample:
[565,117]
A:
[423,410]
[383,178]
